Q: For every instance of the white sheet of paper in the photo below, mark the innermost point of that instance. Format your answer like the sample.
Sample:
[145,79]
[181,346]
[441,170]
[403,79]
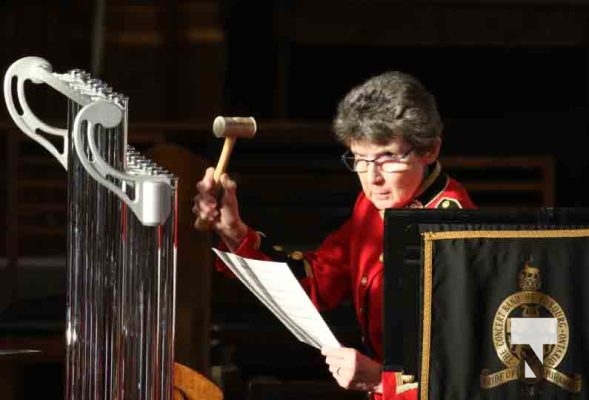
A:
[275,285]
[246,276]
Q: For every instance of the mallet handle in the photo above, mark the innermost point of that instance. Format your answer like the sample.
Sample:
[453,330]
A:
[230,128]
[224,158]
[221,167]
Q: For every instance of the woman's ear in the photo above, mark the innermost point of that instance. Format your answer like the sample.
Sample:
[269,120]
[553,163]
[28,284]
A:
[432,154]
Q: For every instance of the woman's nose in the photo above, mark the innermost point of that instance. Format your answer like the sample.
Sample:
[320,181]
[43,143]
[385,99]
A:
[373,174]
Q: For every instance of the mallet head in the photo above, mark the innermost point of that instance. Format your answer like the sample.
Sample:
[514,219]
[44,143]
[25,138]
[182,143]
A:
[236,127]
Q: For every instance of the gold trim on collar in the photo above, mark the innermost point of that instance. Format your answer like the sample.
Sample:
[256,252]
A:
[429,180]
[308,269]
[428,250]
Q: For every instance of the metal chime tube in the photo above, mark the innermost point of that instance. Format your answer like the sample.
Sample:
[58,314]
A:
[121,258]
[94,249]
[150,295]
[133,279]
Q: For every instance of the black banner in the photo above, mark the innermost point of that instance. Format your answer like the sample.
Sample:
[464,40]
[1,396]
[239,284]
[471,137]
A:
[474,282]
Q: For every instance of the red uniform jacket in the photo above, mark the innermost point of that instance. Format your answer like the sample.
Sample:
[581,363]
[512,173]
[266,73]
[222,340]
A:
[349,264]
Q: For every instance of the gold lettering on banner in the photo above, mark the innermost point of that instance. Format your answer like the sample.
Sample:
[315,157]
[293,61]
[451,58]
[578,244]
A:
[572,383]
[530,301]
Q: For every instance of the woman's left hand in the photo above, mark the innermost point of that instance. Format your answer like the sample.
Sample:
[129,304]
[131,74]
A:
[352,369]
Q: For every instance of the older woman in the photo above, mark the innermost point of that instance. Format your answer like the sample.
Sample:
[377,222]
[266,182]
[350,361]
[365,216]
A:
[392,129]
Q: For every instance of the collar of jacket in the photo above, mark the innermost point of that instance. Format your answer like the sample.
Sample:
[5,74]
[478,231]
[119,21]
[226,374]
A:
[432,185]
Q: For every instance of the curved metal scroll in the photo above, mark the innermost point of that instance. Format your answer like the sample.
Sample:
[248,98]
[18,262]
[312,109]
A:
[152,194]
[37,70]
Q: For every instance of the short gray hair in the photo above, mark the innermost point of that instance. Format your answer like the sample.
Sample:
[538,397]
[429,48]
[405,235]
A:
[393,104]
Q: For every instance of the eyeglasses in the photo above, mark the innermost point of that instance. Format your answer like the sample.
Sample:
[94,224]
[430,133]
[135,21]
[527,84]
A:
[388,162]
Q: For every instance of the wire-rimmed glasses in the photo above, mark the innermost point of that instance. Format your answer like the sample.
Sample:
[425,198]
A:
[388,162]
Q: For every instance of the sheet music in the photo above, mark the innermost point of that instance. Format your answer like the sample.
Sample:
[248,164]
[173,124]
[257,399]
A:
[274,284]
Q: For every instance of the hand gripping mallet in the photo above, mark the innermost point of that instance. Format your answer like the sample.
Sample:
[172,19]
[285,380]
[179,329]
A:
[229,128]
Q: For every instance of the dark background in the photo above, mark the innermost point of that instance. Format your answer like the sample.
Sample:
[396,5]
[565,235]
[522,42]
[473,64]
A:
[510,77]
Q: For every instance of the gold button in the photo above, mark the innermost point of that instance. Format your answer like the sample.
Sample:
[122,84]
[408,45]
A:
[364,281]
[296,255]
[360,309]
[445,204]
[278,248]
[381,258]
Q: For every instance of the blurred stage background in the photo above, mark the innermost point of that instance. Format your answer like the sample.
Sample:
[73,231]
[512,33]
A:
[510,77]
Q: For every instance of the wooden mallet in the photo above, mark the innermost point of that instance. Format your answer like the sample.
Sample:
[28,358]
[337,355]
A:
[229,128]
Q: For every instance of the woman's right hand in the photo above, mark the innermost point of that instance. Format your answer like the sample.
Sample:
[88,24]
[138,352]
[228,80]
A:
[221,212]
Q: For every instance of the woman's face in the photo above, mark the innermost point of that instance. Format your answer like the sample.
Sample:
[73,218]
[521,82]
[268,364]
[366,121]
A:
[391,180]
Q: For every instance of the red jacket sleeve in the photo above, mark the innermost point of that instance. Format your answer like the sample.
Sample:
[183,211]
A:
[328,272]
[324,273]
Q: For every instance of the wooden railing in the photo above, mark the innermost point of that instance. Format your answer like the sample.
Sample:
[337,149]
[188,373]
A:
[289,176]
[289,170]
